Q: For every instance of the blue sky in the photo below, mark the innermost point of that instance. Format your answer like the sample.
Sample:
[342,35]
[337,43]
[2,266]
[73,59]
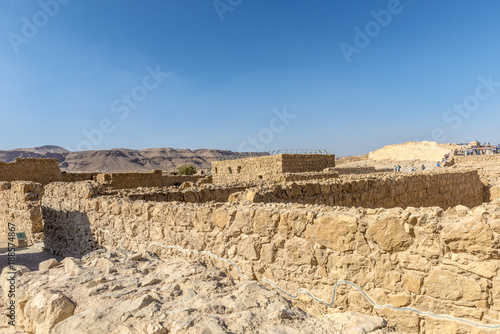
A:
[77,73]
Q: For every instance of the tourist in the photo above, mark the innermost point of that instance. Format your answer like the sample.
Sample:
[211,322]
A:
[399,168]
[437,165]
[412,168]
[423,167]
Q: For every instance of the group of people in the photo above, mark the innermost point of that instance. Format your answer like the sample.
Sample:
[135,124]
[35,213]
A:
[486,148]
[397,168]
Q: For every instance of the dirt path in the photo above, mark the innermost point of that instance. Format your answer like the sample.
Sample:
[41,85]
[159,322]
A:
[26,256]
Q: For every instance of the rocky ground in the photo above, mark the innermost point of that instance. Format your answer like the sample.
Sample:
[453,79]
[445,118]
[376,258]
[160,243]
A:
[110,291]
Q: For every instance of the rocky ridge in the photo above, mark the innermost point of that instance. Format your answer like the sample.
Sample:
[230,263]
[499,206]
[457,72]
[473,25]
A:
[124,160]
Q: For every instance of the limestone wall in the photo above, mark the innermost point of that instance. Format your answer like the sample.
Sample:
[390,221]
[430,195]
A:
[269,168]
[443,188]
[301,163]
[447,263]
[495,158]
[188,195]
[134,180]
[348,159]
[266,168]
[359,170]
[295,177]
[41,171]
[75,177]
[45,171]
[38,170]
[387,190]
[20,204]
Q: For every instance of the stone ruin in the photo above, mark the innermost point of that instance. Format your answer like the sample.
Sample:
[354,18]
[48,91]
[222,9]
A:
[269,168]
[421,250]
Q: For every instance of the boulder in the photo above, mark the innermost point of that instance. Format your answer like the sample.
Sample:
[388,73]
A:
[46,265]
[46,309]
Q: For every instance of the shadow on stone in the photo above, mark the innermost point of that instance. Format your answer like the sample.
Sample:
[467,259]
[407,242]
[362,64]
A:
[68,233]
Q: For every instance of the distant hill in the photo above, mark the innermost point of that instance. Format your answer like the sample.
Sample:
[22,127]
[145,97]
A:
[413,150]
[124,160]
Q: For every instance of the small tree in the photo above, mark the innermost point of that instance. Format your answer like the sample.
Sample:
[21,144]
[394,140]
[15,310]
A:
[187,170]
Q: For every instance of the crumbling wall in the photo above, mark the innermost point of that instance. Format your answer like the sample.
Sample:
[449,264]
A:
[269,168]
[65,208]
[442,188]
[295,177]
[135,180]
[45,171]
[209,192]
[477,159]
[27,169]
[425,260]
[359,170]
[75,177]
[434,188]
[266,168]
[42,171]
[20,204]
[301,163]
[188,195]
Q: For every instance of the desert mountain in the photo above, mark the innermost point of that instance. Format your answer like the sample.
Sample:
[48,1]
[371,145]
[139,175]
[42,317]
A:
[124,160]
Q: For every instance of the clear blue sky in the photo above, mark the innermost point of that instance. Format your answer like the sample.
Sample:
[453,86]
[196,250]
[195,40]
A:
[77,74]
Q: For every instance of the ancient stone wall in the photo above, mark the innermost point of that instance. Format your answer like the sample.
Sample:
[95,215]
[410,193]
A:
[134,180]
[441,188]
[66,224]
[45,171]
[359,170]
[301,163]
[495,158]
[269,168]
[37,170]
[426,260]
[75,177]
[266,168]
[295,177]
[20,204]
[188,195]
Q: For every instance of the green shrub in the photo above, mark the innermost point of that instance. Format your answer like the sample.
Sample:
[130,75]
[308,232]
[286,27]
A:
[187,170]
